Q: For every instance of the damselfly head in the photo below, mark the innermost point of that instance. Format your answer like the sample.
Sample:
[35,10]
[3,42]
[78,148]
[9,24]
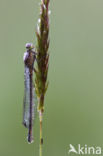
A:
[29,46]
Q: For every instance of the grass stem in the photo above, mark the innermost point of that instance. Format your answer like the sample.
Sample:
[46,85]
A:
[41,138]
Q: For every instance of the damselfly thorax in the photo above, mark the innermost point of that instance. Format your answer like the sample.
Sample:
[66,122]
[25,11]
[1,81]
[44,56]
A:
[29,59]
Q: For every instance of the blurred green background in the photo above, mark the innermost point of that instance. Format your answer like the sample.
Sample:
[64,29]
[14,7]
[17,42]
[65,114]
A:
[74,100]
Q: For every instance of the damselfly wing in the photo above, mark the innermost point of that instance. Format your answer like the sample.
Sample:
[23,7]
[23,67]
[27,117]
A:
[27,98]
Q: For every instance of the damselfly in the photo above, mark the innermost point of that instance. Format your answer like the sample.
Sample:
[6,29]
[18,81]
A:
[28,116]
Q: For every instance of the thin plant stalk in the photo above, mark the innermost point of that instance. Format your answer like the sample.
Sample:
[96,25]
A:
[41,138]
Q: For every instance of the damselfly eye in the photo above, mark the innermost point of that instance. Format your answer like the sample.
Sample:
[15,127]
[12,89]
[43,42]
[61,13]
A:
[29,46]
